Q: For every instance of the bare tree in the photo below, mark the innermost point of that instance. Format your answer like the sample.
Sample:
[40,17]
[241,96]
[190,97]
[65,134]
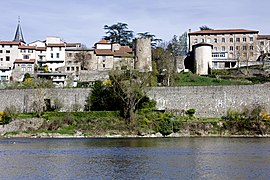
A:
[130,86]
[84,57]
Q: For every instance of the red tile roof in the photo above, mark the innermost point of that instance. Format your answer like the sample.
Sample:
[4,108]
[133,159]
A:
[73,44]
[56,45]
[25,61]
[123,51]
[10,43]
[225,31]
[103,41]
[103,52]
[264,37]
[27,47]
[41,48]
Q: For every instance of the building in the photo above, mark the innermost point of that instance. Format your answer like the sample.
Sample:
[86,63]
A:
[231,47]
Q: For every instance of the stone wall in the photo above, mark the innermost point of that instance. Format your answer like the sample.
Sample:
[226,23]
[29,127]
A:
[209,101]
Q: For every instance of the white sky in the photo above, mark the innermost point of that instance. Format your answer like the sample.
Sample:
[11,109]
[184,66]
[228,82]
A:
[83,20]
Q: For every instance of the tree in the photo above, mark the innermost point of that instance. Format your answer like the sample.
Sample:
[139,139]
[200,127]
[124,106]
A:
[154,40]
[130,87]
[84,58]
[119,33]
[165,60]
[102,98]
[183,44]
[204,27]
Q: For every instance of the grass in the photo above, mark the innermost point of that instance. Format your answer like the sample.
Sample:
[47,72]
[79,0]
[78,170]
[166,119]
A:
[189,79]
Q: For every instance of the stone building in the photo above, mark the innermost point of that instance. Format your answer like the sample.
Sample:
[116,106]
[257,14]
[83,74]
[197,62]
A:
[143,56]
[231,47]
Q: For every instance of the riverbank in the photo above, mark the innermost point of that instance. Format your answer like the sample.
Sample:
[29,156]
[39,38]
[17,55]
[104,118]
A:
[41,128]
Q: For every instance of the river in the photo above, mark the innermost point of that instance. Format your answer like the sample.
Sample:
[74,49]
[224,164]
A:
[135,158]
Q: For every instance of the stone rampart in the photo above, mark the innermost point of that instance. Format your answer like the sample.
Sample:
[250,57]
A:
[208,101]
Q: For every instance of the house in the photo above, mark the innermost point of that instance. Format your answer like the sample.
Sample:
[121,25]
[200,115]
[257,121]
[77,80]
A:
[231,47]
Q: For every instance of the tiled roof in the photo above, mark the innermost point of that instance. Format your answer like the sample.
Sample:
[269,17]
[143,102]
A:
[25,61]
[56,45]
[103,52]
[10,43]
[123,51]
[264,37]
[224,31]
[27,47]
[73,44]
[103,41]
[41,48]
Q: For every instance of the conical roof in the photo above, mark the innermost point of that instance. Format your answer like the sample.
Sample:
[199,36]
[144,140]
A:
[18,34]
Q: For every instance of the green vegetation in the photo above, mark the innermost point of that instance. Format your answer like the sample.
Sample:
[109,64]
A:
[189,79]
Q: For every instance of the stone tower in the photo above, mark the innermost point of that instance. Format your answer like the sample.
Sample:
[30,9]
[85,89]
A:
[143,54]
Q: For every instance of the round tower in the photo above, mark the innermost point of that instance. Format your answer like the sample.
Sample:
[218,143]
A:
[203,58]
[143,54]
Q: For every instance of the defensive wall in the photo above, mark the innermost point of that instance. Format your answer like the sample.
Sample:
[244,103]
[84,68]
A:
[208,101]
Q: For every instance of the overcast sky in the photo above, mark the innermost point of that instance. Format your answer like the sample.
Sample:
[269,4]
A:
[83,20]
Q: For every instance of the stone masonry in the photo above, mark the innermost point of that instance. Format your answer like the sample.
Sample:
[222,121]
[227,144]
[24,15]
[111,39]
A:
[208,101]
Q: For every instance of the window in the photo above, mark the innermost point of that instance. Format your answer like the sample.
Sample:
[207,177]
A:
[251,39]
[72,68]
[244,48]
[25,56]
[1,51]
[23,67]
[208,40]
[223,40]
[51,48]
[215,40]
[244,39]
[231,39]
[57,55]
[231,48]
[244,55]
[104,65]
[223,48]
[60,48]
[202,40]
[250,47]
[30,51]
[237,48]
[7,51]
[29,69]
[103,58]
[195,40]
[68,68]
[262,43]
[3,46]
[237,39]
[251,54]
[69,54]
[77,68]
[1,59]
[215,48]
[7,58]
[10,46]
[51,55]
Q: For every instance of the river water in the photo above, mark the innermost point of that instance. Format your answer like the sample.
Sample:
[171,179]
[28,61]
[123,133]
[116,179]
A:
[135,158]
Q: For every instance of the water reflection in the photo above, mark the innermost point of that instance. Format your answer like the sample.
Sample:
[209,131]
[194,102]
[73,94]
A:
[146,158]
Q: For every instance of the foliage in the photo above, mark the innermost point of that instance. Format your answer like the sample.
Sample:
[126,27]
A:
[119,33]
[154,40]
[190,79]
[204,27]
[9,114]
[76,107]
[102,98]
[190,112]
[39,105]
[130,87]
[31,83]
[248,119]
[165,65]
[57,105]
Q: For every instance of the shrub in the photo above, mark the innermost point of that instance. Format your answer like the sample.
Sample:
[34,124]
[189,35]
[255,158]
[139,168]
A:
[190,112]
[10,113]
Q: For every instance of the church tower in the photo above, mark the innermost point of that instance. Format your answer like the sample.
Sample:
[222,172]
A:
[18,34]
